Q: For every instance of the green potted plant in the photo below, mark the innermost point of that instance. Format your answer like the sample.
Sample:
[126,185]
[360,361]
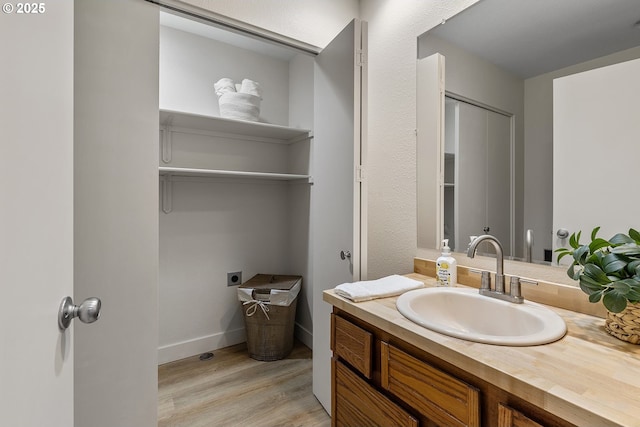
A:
[609,270]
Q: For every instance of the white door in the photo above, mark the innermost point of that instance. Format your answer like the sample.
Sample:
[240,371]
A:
[340,81]
[116,211]
[79,119]
[483,176]
[595,151]
[430,147]
[36,217]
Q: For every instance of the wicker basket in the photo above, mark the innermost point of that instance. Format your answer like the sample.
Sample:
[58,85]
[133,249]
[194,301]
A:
[271,339]
[269,306]
[626,324]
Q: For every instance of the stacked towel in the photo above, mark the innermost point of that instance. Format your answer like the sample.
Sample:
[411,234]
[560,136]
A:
[223,86]
[251,87]
[381,288]
[238,101]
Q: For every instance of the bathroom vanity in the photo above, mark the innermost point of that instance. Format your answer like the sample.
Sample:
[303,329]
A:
[387,370]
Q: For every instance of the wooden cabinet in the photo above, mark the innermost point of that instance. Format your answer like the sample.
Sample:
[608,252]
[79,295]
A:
[379,380]
[508,417]
[357,403]
[434,393]
[352,344]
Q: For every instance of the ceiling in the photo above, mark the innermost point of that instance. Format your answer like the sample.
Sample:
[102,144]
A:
[532,37]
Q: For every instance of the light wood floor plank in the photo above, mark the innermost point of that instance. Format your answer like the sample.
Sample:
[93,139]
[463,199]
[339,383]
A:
[234,390]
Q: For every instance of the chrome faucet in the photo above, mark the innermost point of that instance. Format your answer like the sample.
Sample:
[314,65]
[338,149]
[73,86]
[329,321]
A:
[515,294]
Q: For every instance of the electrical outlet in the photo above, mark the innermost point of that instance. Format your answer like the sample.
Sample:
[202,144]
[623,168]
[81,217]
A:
[234,279]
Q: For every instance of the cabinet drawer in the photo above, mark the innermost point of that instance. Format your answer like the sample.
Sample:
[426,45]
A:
[440,397]
[508,417]
[352,344]
[357,403]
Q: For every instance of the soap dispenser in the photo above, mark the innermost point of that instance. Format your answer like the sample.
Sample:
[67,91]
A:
[446,269]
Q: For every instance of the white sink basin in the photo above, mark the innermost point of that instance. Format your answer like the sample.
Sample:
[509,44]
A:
[464,313]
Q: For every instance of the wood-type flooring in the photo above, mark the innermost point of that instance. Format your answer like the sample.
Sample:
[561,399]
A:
[231,389]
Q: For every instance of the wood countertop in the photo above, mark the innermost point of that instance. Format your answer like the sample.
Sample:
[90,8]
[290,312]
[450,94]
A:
[588,377]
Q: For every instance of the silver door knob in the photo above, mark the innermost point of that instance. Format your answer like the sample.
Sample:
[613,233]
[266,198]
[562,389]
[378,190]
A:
[345,254]
[562,233]
[88,311]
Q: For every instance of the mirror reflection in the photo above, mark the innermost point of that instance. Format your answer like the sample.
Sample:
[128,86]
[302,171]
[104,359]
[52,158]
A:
[501,57]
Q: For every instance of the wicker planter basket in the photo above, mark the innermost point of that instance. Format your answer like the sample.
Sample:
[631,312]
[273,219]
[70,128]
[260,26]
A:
[626,324]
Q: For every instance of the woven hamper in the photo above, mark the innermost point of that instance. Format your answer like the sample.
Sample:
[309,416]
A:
[270,314]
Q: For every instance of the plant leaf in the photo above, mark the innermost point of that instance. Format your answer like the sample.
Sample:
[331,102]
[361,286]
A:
[612,263]
[633,267]
[589,285]
[594,272]
[633,294]
[594,232]
[614,302]
[630,249]
[598,244]
[572,272]
[596,296]
[634,235]
[580,254]
[574,240]
[562,255]
[620,239]
[620,287]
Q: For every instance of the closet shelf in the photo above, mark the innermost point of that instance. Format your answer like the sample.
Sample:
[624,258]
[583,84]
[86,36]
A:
[172,171]
[274,133]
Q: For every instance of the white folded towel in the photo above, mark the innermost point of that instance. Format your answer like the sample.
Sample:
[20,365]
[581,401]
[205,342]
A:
[251,87]
[381,288]
[224,85]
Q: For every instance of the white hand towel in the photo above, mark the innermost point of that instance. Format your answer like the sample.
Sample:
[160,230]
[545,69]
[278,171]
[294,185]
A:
[251,87]
[381,288]
[224,85]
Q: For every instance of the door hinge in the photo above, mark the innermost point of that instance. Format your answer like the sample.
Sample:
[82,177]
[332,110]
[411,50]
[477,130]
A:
[361,58]
[360,176]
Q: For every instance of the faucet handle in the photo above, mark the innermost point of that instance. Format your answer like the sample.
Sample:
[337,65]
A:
[485,278]
[514,287]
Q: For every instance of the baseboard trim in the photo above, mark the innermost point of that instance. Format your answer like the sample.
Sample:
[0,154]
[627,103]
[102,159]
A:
[184,349]
[181,350]
[303,335]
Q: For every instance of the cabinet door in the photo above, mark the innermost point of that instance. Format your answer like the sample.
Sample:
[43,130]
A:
[357,403]
[508,417]
[438,396]
[336,213]
[352,344]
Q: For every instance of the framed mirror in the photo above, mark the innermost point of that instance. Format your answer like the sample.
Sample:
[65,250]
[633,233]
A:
[503,55]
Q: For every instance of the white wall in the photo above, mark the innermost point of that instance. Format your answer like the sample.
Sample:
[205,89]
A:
[216,226]
[191,64]
[393,32]
[115,208]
